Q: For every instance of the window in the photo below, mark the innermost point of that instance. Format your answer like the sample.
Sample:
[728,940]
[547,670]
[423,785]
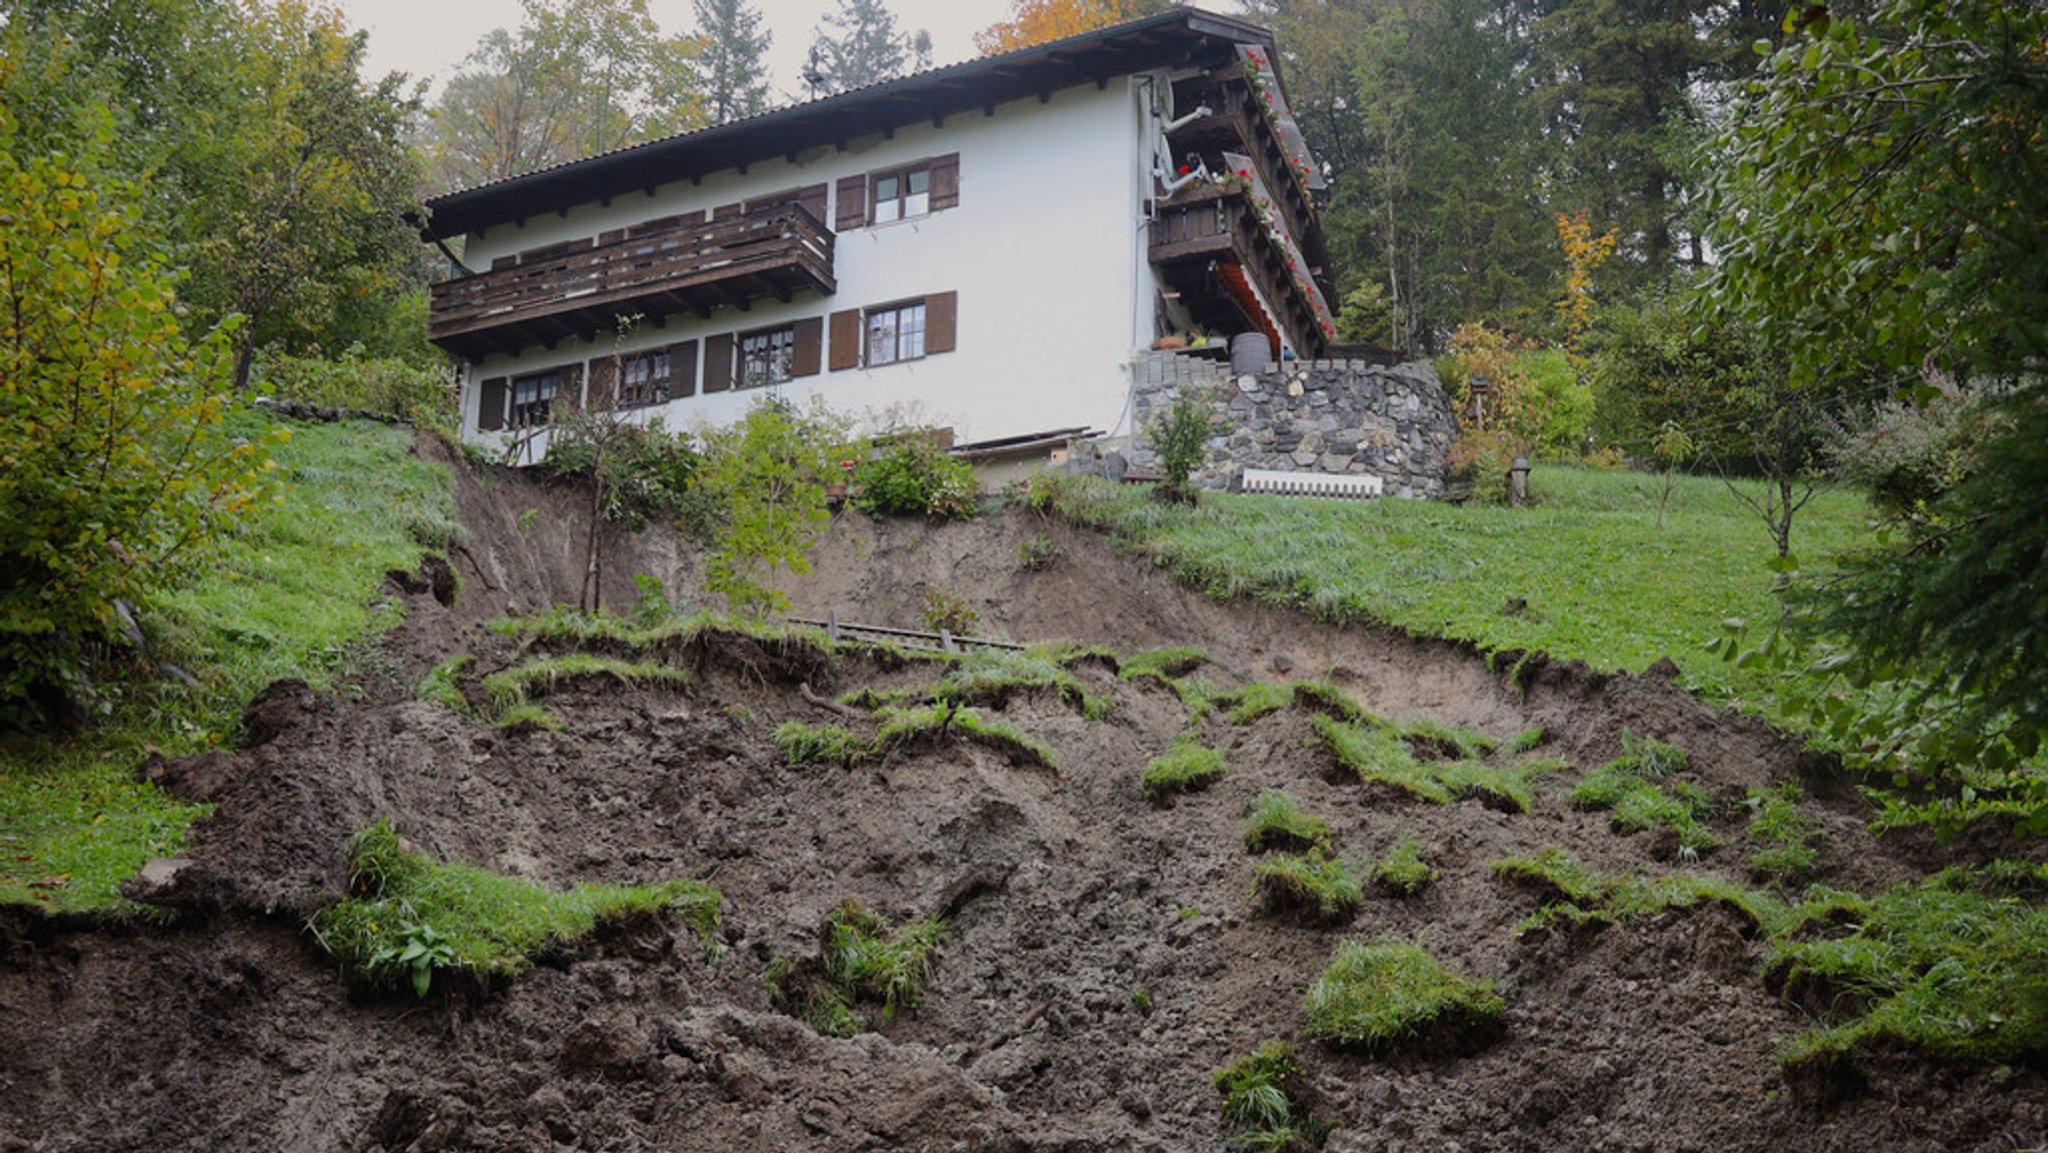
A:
[903,194]
[895,332]
[644,379]
[531,396]
[766,356]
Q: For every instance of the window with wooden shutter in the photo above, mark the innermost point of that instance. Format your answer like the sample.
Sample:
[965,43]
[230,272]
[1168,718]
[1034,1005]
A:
[808,350]
[490,407]
[682,369]
[845,340]
[853,203]
[941,319]
[718,363]
[946,182]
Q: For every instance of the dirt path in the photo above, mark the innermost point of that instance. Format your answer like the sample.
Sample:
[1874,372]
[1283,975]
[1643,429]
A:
[1104,954]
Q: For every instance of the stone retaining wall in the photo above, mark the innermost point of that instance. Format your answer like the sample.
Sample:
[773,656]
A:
[1324,416]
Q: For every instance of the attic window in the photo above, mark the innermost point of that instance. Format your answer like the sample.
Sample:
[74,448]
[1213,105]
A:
[902,194]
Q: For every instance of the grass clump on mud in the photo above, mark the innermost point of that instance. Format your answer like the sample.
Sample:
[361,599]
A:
[1950,967]
[1574,895]
[1261,1092]
[1403,872]
[515,687]
[1627,789]
[1187,765]
[803,744]
[863,960]
[292,591]
[1781,836]
[1374,997]
[1277,820]
[902,727]
[1315,886]
[1165,665]
[1399,756]
[408,919]
[990,677]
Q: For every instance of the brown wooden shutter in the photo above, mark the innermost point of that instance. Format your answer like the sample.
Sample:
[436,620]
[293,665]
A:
[604,384]
[946,182]
[853,203]
[612,236]
[501,263]
[845,352]
[727,211]
[490,409]
[570,391]
[682,369]
[808,348]
[941,319]
[718,362]
[812,199]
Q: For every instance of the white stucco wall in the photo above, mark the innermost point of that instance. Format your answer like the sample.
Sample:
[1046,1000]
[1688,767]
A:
[1046,251]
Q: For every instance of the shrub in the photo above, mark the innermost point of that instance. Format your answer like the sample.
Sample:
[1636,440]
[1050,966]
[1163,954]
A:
[643,472]
[1373,996]
[1038,553]
[1181,438]
[1186,766]
[947,612]
[912,474]
[424,394]
[1277,820]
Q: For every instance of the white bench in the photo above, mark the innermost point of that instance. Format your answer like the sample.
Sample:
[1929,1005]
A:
[1344,486]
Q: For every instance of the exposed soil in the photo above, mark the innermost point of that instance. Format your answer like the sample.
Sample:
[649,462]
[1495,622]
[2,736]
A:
[1067,894]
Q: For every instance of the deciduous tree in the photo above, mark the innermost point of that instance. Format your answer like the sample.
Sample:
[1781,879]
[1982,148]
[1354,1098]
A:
[1037,21]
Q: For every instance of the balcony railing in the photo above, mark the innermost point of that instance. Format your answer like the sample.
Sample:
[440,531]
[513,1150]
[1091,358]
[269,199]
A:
[697,266]
[1206,225]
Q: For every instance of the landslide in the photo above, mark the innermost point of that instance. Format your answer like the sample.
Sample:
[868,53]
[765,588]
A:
[1104,953]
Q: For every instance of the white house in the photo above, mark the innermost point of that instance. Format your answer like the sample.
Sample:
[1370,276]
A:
[989,243]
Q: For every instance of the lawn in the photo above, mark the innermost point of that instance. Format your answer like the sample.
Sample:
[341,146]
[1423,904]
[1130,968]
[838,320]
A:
[1585,572]
[292,592]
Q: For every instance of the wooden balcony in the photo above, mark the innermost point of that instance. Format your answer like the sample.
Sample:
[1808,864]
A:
[1201,229]
[691,266]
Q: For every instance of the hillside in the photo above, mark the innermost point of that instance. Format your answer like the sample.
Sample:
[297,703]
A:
[1103,952]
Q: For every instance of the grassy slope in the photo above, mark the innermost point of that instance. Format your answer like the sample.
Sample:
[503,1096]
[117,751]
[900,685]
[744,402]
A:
[287,595]
[1596,577]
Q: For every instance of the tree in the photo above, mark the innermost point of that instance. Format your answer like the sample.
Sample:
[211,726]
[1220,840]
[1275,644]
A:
[576,78]
[867,49]
[733,63]
[768,475]
[1037,21]
[114,467]
[1881,192]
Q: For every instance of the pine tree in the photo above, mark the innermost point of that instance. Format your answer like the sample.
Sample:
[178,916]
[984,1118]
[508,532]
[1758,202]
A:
[733,61]
[868,49]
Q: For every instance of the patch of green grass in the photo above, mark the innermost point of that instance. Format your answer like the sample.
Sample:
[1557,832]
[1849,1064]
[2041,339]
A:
[1510,788]
[1943,967]
[803,744]
[1186,766]
[527,718]
[1634,803]
[1403,872]
[292,592]
[1314,886]
[1260,1092]
[409,919]
[1165,664]
[1433,740]
[444,684]
[1648,757]
[1331,701]
[1253,701]
[1068,654]
[1384,752]
[1525,741]
[1608,586]
[989,677]
[1379,755]
[1277,821]
[538,678]
[1782,837]
[909,726]
[1372,997]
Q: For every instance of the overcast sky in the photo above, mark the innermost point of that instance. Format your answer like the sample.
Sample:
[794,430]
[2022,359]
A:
[427,39]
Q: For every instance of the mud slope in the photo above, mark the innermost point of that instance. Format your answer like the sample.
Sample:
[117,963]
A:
[1104,954]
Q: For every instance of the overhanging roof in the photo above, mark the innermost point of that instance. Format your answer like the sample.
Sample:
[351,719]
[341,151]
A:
[1179,37]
